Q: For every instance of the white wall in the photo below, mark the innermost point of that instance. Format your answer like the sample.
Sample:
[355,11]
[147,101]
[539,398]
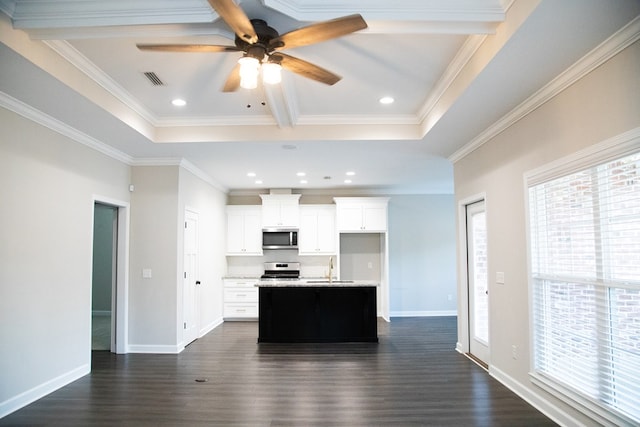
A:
[422,255]
[601,105]
[46,223]
[154,246]
[209,203]
[157,216]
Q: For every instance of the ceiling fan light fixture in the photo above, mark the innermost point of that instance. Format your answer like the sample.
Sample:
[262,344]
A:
[271,73]
[249,69]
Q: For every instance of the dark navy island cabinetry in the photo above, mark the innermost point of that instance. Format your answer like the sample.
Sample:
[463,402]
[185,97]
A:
[308,313]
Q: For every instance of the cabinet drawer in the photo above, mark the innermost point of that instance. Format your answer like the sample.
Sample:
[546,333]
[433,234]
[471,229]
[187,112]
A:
[241,295]
[239,310]
[236,283]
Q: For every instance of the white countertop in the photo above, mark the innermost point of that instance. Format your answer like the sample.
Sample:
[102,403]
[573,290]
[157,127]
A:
[278,283]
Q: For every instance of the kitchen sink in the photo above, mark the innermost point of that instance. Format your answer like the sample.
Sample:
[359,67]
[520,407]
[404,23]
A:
[327,281]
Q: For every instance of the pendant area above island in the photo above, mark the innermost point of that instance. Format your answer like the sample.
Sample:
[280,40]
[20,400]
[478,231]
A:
[317,311]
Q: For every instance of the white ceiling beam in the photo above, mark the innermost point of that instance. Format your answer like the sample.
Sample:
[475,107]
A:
[130,31]
[430,27]
[470,62]
[34,14]
[403,10]
[281,100]
[43,17]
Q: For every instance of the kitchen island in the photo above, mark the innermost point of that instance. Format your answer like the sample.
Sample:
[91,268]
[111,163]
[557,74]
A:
[317,311]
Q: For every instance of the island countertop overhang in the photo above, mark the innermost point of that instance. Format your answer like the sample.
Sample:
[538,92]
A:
[309,283]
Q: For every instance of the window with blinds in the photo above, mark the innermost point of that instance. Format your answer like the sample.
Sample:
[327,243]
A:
[585,278]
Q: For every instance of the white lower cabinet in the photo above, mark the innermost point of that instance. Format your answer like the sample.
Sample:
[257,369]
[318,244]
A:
[240,299]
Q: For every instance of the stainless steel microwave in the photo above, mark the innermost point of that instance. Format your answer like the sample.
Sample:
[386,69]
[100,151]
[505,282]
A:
[279,238]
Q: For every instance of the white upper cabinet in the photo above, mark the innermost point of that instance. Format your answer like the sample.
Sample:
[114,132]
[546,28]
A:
[244,230]
[317,234]
[280,210]
[361,214]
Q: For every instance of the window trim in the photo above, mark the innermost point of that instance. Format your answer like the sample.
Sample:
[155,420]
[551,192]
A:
[618,146]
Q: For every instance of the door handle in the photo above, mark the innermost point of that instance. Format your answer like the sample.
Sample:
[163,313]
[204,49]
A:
[197,282]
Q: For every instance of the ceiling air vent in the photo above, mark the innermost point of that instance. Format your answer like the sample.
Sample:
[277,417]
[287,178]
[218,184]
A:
[153,78]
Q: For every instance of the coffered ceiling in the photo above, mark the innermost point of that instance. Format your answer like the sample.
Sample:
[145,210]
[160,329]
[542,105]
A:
[456,69]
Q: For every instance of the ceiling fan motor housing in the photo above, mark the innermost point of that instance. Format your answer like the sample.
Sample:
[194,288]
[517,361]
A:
[260,48]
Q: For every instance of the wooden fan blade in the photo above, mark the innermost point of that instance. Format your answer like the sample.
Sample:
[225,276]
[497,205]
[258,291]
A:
[233,81]
[187,48]
[307,69]
[236,19]
[319,32]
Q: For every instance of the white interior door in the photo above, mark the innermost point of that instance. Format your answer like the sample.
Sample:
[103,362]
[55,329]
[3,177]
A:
[477,282]
[190,289]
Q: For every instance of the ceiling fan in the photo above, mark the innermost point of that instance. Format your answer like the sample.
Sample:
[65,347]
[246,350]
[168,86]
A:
[261,45]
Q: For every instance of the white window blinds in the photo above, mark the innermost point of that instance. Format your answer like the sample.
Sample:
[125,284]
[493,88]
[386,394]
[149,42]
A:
[585,277]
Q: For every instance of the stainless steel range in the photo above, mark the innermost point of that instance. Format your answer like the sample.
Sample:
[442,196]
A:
[281,270]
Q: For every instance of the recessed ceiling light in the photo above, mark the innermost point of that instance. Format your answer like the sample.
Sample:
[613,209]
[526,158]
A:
[251,174]
[386,100]
[258,181]
[347,181]
[301,174]
[351,173]
[179,102]
[303,181]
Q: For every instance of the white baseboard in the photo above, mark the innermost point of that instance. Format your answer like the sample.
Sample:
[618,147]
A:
[211,326]
[437,313]
[38,392]
[171,349]
[543,405]
[155,349]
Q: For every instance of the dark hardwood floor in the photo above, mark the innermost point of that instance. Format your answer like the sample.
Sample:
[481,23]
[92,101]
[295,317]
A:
[413,376]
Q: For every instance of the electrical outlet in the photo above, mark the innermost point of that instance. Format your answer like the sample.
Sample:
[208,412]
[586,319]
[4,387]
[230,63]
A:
[514,352]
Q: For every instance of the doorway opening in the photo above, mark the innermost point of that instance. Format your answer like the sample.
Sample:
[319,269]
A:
[109,276]
[103,278]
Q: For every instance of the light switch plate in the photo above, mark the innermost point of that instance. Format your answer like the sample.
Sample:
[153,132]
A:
[146,273]
[500,277]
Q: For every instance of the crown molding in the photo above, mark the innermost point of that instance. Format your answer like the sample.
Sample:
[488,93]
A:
[357,120]
[8,7]
[282,103]
[455,67]
[57,126]
[156,161]
[187,165]
[606,50]
[82,63]
[37,116]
